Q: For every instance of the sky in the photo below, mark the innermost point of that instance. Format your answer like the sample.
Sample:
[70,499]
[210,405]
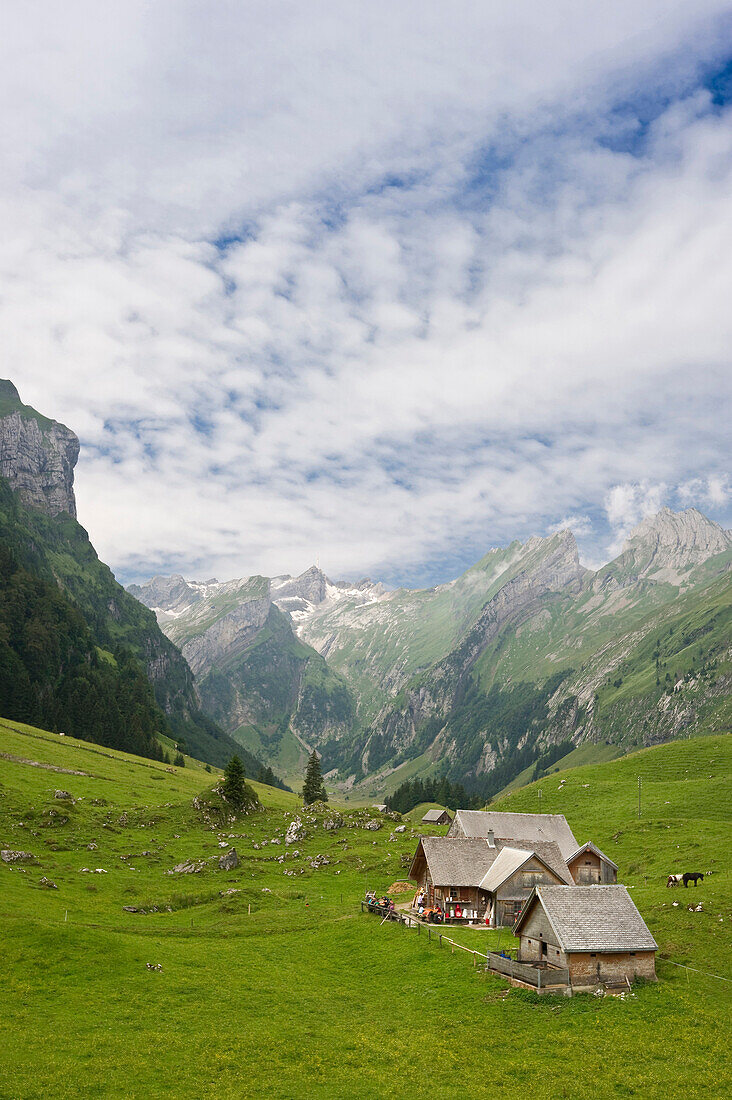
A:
[377,286]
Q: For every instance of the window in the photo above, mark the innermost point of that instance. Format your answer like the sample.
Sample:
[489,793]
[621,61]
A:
[632,952]
[593,954]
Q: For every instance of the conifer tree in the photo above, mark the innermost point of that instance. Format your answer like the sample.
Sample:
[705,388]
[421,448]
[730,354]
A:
[233,789]
[314,788]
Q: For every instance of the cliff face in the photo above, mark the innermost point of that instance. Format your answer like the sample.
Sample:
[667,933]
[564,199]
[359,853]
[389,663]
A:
[37,455]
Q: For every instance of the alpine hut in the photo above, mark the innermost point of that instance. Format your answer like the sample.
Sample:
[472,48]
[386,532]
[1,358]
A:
[437,817]
[484,879]
[595,932]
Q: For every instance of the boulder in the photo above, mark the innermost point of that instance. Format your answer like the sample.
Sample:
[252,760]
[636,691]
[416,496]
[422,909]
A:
[400,829]
[374,826]
[8,856]
[229,861]
[47,883]
[191,867]
[64,795]
[295,831]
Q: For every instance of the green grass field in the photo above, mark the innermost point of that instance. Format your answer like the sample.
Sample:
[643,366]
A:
[285,989]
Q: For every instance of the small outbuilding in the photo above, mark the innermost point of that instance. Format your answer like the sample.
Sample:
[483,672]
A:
[437,817]
[380,806]
[595,932]
[588,865]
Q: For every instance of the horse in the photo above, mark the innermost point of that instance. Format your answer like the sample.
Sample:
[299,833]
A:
[673,880]
[693,876]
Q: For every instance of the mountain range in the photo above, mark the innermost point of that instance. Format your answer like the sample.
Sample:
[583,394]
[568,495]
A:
[511,666]
[525,659]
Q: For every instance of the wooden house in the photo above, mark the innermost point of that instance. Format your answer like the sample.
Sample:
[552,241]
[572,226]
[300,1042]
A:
[595,932]
[437,817]
[588,866]
[484,880]
[542,828]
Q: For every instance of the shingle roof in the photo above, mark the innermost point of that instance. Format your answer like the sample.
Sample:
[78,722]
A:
[591,918]
[590,847]
[464,862]
[510,860]
[457,862]
[548,827]
[433,815]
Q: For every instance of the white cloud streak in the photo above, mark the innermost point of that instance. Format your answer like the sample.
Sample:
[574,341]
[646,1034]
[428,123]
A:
[446,313]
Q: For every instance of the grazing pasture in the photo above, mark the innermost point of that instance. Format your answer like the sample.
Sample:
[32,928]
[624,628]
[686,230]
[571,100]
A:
[274,983]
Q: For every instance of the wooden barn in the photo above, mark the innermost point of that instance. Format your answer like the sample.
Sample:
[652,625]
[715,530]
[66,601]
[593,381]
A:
[595,932]
[483,879]
[437,817]
[589,866]
[528,828]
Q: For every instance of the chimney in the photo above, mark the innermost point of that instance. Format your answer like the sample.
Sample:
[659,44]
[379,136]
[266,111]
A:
[491,839]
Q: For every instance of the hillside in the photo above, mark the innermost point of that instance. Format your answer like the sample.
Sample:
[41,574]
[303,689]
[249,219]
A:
[88,677]
[278,946]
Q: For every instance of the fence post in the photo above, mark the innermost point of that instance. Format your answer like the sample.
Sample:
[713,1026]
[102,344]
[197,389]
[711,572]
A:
[429,934]
[440,941]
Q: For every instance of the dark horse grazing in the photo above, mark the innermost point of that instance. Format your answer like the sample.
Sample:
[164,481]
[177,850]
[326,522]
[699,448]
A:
[692,876]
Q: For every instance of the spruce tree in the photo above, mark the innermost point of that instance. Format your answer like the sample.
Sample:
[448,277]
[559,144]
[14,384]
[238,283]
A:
[233,789]
[313,788]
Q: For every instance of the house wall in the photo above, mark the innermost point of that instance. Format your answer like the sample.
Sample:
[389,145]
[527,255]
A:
[588,868]
[586,969]
[512,894]
[536,932]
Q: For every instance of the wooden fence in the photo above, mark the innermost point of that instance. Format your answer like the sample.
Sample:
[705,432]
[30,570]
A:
[550,977]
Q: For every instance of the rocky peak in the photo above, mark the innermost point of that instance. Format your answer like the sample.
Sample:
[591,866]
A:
[312,586]
[164,593]
[674,535]
[37,455]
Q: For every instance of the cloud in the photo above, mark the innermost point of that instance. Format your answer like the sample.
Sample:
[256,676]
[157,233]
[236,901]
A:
[384,288]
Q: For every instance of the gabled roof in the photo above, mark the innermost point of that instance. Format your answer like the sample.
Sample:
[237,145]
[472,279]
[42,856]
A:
[547,827]
[457,861]
[510,860]
[590,847]
[591,918]
[434,815]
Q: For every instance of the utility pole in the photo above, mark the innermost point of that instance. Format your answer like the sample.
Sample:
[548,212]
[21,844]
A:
[639,796]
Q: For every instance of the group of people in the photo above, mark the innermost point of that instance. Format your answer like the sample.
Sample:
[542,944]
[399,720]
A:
[375,902]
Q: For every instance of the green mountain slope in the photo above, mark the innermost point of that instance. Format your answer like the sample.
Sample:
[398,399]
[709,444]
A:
[77,987]
[93,632]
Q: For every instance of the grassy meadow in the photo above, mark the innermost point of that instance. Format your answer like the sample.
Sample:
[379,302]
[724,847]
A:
[284,988]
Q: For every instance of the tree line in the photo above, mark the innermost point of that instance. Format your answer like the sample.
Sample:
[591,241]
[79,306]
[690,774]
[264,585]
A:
[442,791]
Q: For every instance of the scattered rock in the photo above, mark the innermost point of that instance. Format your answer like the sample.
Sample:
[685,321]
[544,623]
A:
[318,862]
[400,829]
[191,867]
[229,861]
[91,847]
[154,966]
[333,823]
[47,883]
[374,826]
[8,856]
[223,844]
[122,820]
[131,909]
[227,893]
[65,795]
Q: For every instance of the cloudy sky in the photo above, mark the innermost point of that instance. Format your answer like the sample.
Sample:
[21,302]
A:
[376,284]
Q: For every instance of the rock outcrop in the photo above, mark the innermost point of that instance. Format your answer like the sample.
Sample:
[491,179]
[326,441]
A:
[37,455]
